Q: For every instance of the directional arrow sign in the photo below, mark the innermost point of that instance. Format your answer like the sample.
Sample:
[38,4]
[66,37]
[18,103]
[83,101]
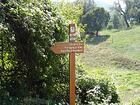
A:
[68,47]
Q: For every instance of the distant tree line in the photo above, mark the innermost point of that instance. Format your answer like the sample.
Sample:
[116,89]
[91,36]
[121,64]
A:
[125,16]
[95,18]
[86,14]
[92,18]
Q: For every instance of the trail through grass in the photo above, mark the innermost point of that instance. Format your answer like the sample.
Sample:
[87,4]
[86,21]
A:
[116,55]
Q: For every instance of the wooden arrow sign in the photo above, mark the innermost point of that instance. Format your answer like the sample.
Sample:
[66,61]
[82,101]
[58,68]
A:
[68,47]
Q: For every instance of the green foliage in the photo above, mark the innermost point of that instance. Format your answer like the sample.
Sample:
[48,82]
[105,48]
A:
[133,10]
[71,11]
[94,88]
[116,22]
[122,12]
[110,25]
[96,19]
[29,67]
[87,5]
[96,91]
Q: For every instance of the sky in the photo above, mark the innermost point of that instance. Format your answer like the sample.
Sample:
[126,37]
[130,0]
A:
[109,2]
[102,2]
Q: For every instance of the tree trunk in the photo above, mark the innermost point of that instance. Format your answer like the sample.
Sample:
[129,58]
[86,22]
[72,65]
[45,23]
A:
[97,33]
[125,19]
[123,13]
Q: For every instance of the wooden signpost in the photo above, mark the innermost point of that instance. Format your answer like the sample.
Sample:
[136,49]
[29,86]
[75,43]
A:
[70,47]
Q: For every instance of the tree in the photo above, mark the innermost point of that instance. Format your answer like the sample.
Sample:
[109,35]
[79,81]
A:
[87,5]
[133,10]
[95,19]
[116,22]
[122,12]
[71,11]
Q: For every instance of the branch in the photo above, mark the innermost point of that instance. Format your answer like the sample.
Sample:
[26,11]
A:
[119,8]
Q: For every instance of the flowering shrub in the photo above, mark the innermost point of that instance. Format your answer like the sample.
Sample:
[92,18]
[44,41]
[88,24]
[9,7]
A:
[90,90]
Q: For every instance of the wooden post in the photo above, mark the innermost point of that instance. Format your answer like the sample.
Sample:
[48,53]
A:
[72,78]
[72,30]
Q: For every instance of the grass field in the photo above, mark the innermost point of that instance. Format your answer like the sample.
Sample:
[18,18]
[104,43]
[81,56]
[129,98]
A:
[116,54]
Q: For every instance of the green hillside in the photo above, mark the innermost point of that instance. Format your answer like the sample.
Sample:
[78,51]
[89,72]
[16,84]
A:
[126,42]
[116,55]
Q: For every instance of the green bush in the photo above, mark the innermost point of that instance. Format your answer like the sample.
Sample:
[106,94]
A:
[30,68]
[90,90]
[6,99]
[110,26]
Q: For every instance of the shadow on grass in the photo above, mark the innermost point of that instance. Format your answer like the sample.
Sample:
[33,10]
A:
[97,39]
